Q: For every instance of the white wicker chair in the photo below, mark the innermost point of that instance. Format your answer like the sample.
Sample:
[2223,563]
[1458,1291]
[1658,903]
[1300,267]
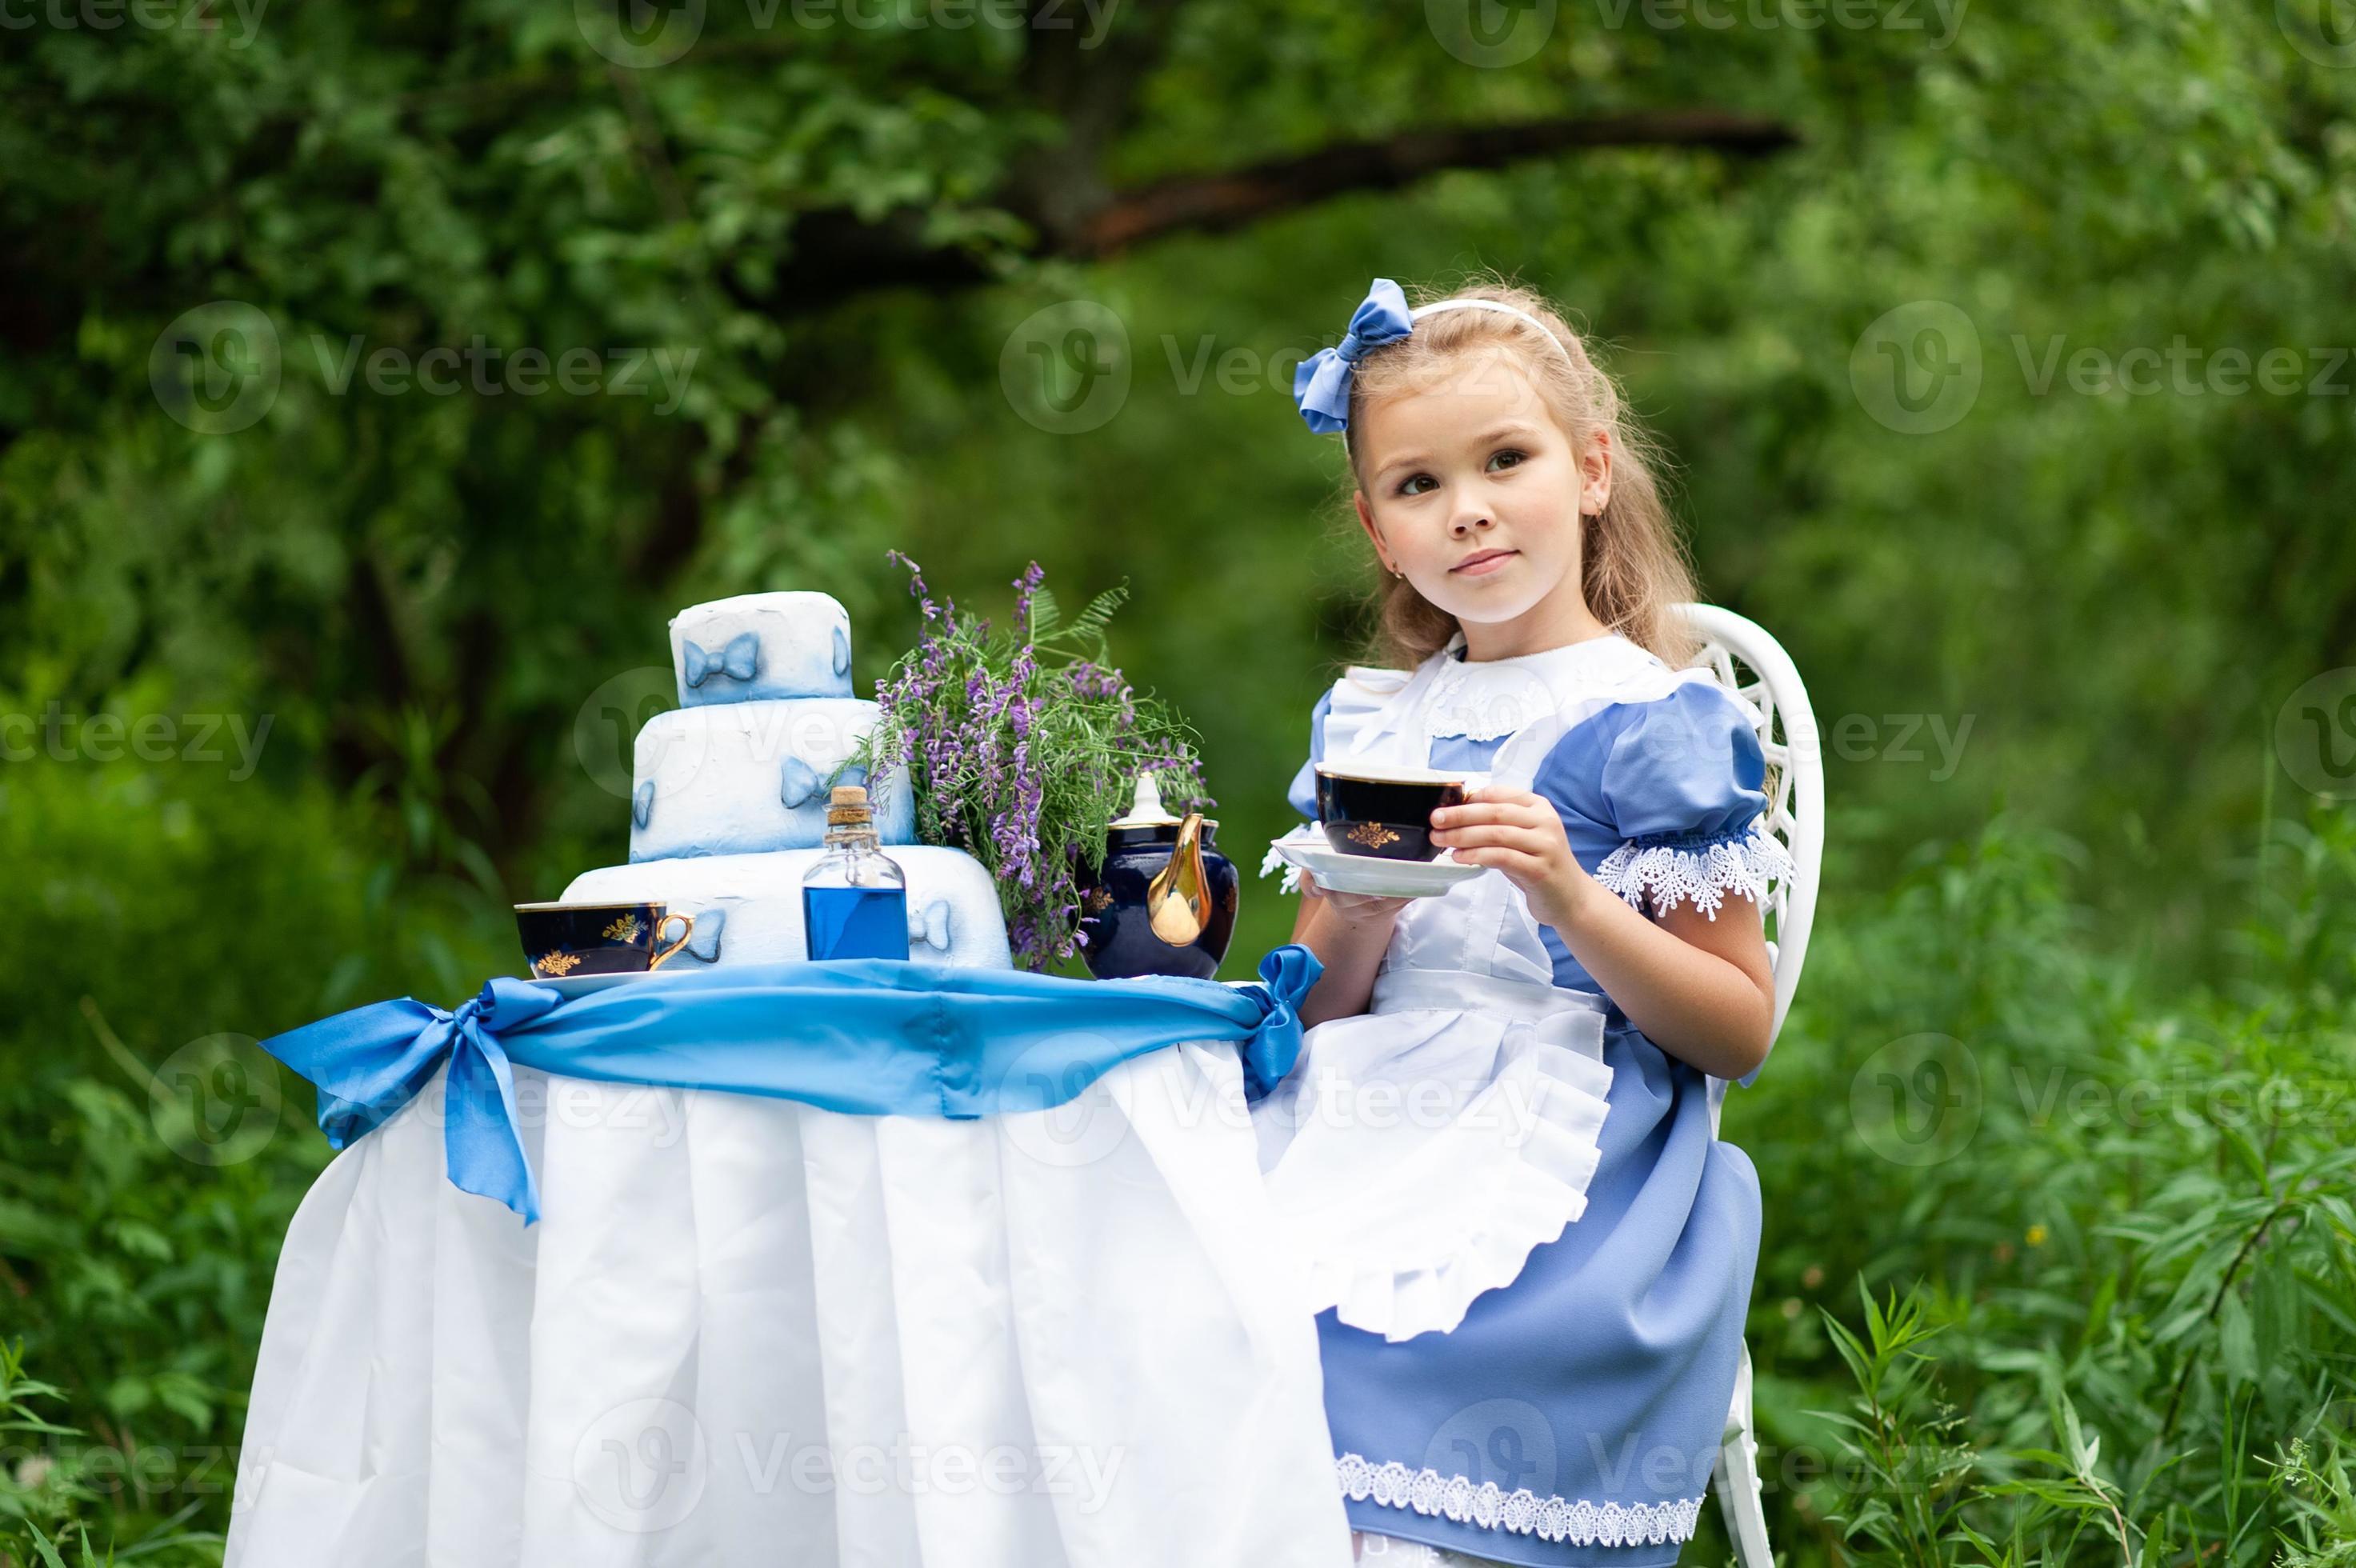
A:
[1750,662]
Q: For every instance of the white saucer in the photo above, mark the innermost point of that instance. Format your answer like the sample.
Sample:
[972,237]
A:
[1370,873]
[571,986]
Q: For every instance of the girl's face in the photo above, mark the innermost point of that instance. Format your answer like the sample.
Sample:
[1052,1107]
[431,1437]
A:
[1473,490]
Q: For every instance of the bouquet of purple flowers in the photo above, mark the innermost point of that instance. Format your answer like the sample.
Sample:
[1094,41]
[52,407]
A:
[1022,746]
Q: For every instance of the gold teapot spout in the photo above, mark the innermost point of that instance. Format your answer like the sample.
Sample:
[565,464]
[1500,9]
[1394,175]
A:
[1178,899]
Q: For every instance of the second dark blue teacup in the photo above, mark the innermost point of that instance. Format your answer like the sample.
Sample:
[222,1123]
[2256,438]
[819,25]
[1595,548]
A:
[1385,812]
[561,940]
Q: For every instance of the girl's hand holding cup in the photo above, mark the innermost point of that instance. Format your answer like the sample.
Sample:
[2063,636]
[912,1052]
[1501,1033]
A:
[1521,834]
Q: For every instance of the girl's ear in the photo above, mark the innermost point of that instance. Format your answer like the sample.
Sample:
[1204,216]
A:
[1366,521]
[1595,474]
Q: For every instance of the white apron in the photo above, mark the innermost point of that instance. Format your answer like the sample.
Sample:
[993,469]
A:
[1418,1151]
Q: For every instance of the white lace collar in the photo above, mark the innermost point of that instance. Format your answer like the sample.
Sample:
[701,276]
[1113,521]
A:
[1492,698]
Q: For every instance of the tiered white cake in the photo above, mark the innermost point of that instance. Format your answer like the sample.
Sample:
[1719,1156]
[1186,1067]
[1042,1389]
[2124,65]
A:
[728,804]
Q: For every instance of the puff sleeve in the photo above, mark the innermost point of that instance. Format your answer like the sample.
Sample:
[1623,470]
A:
[1684,784]
[1303,795]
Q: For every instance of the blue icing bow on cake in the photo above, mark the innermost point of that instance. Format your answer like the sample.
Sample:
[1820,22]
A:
[800,783]
[740,661]
[755,647]
[930,925]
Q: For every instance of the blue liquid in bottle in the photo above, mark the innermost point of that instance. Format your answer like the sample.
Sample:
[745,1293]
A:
[856,922]
[855,900]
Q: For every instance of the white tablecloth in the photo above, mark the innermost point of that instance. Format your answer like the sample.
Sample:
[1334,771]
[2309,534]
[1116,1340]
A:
[749,1331]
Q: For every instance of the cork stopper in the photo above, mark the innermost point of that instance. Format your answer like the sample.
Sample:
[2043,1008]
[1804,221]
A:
[847,807]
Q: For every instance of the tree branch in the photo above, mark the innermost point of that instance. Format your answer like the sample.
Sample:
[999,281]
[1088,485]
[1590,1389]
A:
[1212,203]
[838,253]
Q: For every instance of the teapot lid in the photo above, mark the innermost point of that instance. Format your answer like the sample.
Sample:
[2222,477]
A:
[1146,810]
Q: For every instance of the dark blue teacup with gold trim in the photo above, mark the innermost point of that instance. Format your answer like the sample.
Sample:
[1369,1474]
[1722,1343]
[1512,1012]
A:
[1385,812]
[564,939]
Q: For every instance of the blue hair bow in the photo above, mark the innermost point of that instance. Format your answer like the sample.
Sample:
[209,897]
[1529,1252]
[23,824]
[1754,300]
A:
[1321,384]
[740,661]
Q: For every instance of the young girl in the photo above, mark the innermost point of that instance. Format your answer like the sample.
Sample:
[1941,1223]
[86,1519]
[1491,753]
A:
[1495,1151]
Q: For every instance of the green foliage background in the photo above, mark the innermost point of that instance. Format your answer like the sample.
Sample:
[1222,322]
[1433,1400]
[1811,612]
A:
[2140,1326]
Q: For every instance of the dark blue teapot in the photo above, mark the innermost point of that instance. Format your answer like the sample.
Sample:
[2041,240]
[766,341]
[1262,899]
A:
[1164,902]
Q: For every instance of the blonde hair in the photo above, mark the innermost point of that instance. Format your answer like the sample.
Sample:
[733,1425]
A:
[1632,561]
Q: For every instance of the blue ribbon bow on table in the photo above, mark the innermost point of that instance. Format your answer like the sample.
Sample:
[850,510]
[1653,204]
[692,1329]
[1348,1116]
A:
[370,1062]
[740,661]
[1321,384]
[871,1036]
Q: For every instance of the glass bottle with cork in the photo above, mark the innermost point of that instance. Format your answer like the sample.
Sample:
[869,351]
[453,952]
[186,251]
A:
[854,900]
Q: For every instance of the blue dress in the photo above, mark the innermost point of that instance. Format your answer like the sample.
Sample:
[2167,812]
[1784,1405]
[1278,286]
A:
[1531,1324]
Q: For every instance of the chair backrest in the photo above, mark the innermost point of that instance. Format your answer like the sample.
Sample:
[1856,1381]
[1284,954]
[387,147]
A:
[1753,665]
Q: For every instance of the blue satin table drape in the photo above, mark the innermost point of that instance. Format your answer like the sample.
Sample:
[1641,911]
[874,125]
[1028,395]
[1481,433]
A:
[871,1036]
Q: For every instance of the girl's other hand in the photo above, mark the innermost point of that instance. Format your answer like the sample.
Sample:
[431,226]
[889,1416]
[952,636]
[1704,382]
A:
[1354,909]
